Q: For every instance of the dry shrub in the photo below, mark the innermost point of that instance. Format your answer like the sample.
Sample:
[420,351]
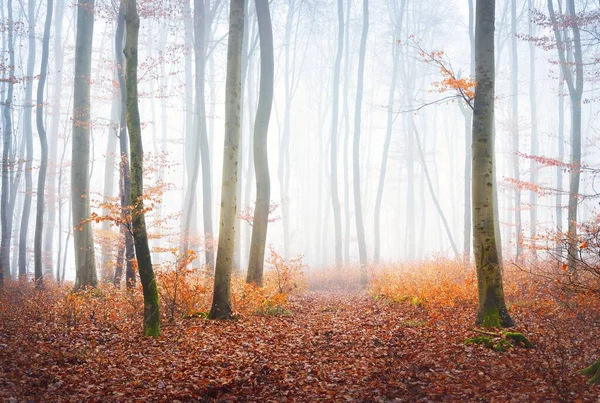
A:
[437,283]
[182,288]
[282,279]
[104,306]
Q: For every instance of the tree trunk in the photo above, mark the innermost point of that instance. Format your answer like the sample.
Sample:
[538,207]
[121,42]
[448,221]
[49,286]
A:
[106,274]
[533,166]
[39,219]
[360,229]
[202,135]
[54,134]
[514,70]
[189,135]
[85,262]
[28,139]
[492,308]
[346,113]
[468,115]
[221,304]
[561,154]
[575,85]
[124,168]
[7,165]
[140,236]
[335,198]
[261,163]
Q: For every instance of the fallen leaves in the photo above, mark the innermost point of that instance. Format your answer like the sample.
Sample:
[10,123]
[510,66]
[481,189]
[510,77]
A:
[334,346]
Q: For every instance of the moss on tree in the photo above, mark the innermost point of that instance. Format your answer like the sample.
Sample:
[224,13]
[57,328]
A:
[593,371]
[518,339]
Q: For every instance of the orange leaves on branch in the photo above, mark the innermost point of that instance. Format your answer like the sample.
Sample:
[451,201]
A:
[463,87]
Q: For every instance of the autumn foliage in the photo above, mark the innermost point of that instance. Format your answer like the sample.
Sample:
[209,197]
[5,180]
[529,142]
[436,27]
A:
[410,337]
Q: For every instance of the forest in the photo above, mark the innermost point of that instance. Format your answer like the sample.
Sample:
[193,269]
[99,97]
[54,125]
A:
[282,200]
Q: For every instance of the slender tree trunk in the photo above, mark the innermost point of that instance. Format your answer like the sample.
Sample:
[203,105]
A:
[346,113]
[106,274]
[237,254]
[249,174]
[360,229]
[533,166]
[492,308]
[54,135]
[39,220]
[118,273]
[7,164]
[140,236]
[575,85]
[261,163]
[189,136]
[221,304]
[514,70]
[85,262]
[335,198]
[202,135]
[468,115]
[28,139]
[561,153]
[124,168]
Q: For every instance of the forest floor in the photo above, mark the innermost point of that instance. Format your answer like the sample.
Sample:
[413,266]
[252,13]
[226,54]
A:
[330,346]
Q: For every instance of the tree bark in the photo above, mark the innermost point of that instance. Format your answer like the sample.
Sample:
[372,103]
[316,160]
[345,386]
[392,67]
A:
[5,211]
[221,304]
[28,139]
[514,70]
[39,220]
[261,162]
[85,261]
[54,134]
[140,236]
[335,198]
[575,86]
[492,310]
[533,166]
[202,135]
[360,229]
[124,168]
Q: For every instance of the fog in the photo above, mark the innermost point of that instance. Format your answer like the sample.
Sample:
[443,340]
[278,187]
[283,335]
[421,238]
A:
[408,45]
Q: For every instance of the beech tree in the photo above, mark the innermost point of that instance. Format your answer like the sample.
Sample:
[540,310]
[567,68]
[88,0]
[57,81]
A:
[124,166]
[221,304]
[492,310]
[261,162]
[85,261]
[41,186]
[574,80]
[5,210]
[138,220]
[335,198]
[360,228]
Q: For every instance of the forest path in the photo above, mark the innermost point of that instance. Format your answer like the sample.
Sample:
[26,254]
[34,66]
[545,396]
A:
[333,346]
